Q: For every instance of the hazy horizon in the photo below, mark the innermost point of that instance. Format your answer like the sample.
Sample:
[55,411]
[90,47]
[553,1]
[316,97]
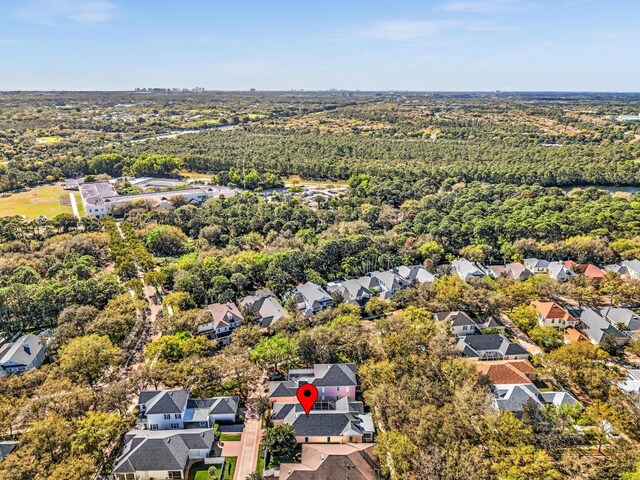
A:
[373,45]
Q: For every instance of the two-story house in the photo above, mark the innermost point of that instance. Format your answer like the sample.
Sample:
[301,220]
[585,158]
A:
[351,291]
[175,410]
[389,282]
[22,355]
[415,273]
[225,317]
[264,307]
[550,314]
[333,381]
[467,270]
[311,298]
[536,265]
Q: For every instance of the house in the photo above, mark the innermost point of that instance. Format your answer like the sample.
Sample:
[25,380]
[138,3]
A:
[498,271]
[633,268]
[558,271]
[22,355]
[621,317]
[615,268]
[515,397]
[351,292]
[467,270]
[333,381]
[516,271]
[335,421]
[312,298]
[415,273]
[596,327]
[494,346]
[225,317]
[355,461]
[536,265]
[175,410]
[370,283]
[593,273]
[6,448]
[389,282]
[631,384]
[550,314]
[161,454]
[571,335]
[507,372]
[264,307]
[492,322]
[460,323]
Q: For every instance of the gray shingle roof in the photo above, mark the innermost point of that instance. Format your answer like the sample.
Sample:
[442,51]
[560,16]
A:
[514,397]
[164,401]
[596,327]
[215,405]
[486,346]
[6,448]
[337,374]
[457,318]
[23,351]
[282,389]
[622,315]
[415,272]
[161,450]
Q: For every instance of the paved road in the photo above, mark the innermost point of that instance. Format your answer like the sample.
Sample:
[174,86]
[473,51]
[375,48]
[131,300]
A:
[74,205]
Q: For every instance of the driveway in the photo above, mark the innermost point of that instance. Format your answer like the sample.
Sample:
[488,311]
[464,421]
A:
[248,448]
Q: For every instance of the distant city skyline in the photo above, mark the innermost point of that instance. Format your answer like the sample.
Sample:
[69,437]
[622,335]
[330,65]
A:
[443,45]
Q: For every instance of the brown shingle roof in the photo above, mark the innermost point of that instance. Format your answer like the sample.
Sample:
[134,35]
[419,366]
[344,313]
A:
[551,310]
[507,373]
[355,461]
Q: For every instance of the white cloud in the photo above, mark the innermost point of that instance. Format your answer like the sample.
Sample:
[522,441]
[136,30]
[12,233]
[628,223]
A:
[477,6]
[408,30]
[402,30]
[60,12]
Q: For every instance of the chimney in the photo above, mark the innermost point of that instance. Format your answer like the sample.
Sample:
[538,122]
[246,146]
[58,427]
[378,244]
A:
[26,348]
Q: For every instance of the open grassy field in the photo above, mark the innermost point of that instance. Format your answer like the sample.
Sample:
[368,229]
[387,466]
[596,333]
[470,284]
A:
[42,200]
[195,175]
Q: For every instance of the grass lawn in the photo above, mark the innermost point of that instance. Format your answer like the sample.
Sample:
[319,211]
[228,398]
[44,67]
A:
[230,437]
[229,467]
[42,200]
[196,175]
[199,472]
[260,466]
[79,203]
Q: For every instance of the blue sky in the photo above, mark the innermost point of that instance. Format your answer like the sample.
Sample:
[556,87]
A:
[575,45]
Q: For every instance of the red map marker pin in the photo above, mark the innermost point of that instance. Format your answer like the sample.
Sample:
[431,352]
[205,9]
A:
[307,395]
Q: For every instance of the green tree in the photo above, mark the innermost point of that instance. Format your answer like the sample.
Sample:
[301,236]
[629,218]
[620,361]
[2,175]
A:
[280,440]
[95,431]
[85,359]
[525,317]
[547,337]
[275,352]
[166,240]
